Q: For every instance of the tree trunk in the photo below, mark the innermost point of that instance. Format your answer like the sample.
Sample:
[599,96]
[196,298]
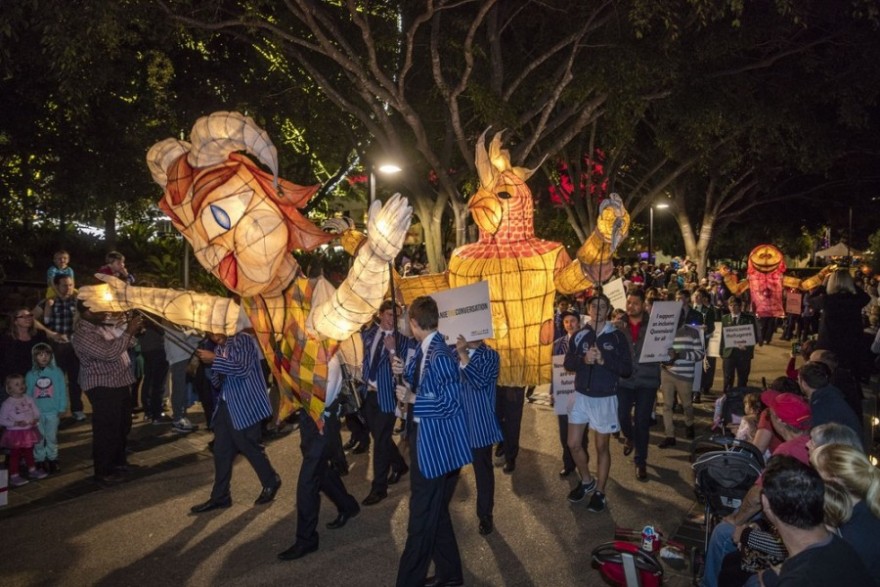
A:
[110,228]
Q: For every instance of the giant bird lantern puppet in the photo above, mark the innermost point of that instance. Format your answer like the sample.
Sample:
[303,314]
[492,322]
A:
[524,272]
[766,279]
[243,224]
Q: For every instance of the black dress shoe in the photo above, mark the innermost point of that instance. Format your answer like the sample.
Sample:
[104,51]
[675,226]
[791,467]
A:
[360,449]
[509,466]
[499,449]
[374,497]
[394,476]
[565,473]
[211,505]
[342,519]
[349,445]
[297,551]
[628,447]
[667,442]
[268,493]
[641,473]
[486,525]
[437,582]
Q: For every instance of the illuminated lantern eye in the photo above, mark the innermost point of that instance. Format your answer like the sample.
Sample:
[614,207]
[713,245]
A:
[221,217]
[504,195]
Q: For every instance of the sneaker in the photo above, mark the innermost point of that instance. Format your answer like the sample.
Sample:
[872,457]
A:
[163,419]
[17,481]
[183,426]
[580,492]
[597,502]
[36,473]
[79,416]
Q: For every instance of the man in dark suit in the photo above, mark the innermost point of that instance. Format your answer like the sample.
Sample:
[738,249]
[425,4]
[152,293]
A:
[438,450]
[243,404]
[380,401]
[736,360]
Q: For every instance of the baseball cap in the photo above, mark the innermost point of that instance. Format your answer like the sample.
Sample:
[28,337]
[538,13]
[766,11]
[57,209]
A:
[788,407]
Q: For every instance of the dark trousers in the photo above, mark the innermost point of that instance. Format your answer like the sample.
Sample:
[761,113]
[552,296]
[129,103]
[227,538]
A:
[509,403]
[228,442]
[766,328]
[360,433]
[316,476]
[737,364]
[634,408]
[111,422]
[386,455]
[68,362]
[484,474]
[429,533]
[153,385]
[206,393]
[567,460]
[710,364]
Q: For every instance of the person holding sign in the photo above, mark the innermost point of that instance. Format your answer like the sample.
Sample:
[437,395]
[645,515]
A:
[479,374]
[737,351]
[637,392]
[599,355]
[677,376]
[571,322]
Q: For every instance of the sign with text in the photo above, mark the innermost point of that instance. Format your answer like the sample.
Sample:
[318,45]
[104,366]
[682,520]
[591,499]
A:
[465,310]
[713,348]
[616,293]
[742,335]
[661,332]
[794,302]
[563,387]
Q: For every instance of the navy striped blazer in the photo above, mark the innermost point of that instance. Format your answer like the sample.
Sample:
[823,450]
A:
[237,372]
[442,438]
[479,378]
[384,378]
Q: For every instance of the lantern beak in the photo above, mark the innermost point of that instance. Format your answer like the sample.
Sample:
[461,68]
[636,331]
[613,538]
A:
[486,209]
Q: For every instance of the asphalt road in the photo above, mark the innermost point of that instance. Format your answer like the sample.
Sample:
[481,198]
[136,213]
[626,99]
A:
[65,530]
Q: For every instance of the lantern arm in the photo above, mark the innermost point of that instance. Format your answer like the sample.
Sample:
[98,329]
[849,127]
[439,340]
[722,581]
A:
[811,282]
[358,298]
[731,282]
[204,312]
[593,263]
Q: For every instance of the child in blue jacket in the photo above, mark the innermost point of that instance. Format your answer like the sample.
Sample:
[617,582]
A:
[45,384]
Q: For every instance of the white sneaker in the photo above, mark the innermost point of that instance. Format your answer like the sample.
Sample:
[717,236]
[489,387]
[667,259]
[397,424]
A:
[183,425]
[79,416]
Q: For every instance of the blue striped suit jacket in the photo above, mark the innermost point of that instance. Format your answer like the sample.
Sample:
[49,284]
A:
[442,438]
[479,378]
[242,382]
[384,378]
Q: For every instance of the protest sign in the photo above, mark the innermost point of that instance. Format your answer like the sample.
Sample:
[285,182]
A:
[465,310]
[742,335]
[563,387]
[714,347]
[661,332]
[793,302]
[616,293]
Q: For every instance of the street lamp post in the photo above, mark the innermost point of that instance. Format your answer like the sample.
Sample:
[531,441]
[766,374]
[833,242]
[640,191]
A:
[385,168]
[651,230]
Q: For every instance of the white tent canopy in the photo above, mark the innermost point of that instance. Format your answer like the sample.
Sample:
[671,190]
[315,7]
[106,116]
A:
[838,250]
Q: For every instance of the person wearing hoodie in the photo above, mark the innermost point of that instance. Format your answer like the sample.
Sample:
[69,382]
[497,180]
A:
[45,385]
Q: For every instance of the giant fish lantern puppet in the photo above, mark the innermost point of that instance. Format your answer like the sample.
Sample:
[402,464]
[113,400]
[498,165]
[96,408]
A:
[524,272]
[243,224]
[766,280]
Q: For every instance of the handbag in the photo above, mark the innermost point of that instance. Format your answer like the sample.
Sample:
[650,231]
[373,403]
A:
[349,398]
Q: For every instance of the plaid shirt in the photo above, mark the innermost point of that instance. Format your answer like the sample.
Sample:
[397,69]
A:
[61,315]
[103,359]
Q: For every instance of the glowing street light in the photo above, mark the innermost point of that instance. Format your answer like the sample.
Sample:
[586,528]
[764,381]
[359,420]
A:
[387,168]
[659,206]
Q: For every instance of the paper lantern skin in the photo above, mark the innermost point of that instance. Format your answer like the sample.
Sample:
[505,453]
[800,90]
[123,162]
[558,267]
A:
[524,272]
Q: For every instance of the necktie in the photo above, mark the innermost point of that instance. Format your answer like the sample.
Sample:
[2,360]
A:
[377,354]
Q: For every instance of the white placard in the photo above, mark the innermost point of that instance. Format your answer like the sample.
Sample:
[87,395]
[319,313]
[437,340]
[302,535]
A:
[563,387]
[742,335]
[465,310]
[661,332]
[714,347]
[616,293]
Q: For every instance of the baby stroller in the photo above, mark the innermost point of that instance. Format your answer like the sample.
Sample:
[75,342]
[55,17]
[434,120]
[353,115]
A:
[724,471]
[732,409]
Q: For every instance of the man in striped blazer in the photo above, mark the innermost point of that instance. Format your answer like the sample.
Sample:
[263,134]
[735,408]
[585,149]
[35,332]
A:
[380,401]
[479,374]
[243,404]
[438,450]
